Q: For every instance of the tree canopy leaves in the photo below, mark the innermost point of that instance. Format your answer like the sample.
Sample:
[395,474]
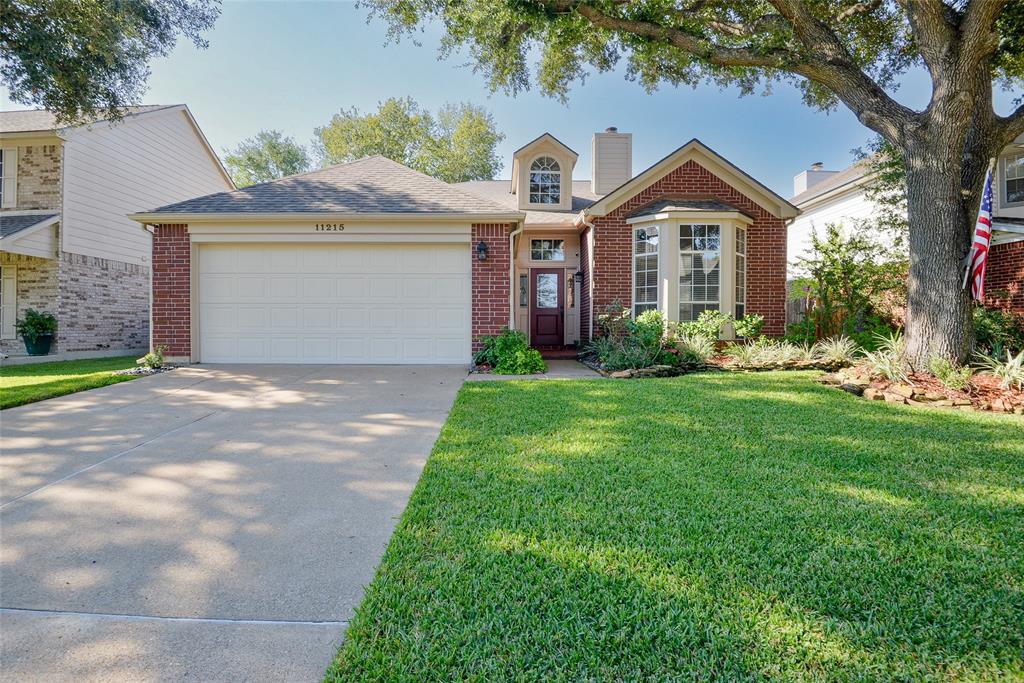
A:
[266,156]
[458,144]
[84,58]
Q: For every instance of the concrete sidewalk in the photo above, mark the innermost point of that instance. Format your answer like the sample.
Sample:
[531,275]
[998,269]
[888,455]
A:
[211,523]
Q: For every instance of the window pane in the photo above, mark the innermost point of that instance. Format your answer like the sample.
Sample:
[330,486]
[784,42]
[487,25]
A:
[645,269]
[1015,190]
[547,290]
[523,287]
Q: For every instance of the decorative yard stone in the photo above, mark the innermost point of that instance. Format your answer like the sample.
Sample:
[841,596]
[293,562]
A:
[830,379]
[945,402]
[961,402]
[904,390]
[891,397]
[622,374]
[873,394]
[933,396]
[852,388]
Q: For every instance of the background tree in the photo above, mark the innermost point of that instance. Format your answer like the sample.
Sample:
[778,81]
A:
[460,144]
[78,57]
[266,156]
[834,51]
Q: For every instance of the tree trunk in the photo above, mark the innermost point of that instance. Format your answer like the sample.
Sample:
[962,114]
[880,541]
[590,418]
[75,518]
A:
[941,193]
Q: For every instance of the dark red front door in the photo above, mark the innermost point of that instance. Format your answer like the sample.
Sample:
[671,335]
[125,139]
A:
[547,307]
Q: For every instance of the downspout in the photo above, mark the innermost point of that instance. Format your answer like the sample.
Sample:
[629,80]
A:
[512,276]
[151,229]
[582,218]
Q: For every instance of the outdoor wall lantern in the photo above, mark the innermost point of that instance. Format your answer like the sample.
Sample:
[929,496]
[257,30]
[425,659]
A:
[481,251]
[578,277]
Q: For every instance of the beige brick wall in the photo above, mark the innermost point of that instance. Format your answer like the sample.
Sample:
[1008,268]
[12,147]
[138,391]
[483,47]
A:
[39,177]
[104,304]
[37,288]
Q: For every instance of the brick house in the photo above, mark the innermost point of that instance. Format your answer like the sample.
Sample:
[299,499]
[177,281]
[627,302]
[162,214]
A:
[838,197]
[66,244]
[372,262]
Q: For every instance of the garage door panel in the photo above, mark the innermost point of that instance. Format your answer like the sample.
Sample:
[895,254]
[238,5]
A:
[354,303]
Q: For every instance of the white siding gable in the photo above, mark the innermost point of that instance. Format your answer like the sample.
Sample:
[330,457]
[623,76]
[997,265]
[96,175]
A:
[845,210]
[141,163]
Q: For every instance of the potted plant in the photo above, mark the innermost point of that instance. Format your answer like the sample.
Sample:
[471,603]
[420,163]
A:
[36,330]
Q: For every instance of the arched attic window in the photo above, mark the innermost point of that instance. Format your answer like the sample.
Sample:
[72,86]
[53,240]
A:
[545,181]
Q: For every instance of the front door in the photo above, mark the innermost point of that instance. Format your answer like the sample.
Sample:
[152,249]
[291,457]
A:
[547,307]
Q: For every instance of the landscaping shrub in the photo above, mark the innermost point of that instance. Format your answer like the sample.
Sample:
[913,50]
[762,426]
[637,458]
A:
[708,324]
[749,327]
[835,349]
[767,352]
[640,344]
[888,360]
[951,375]
[153,360]
[995,330]
[1008,369]
[694,349]
[509,353]
[35,324]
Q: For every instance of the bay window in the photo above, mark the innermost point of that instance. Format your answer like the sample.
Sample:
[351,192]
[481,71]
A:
[700,269]
[645,269]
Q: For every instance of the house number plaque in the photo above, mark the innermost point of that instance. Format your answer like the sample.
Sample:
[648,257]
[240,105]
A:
[329,227]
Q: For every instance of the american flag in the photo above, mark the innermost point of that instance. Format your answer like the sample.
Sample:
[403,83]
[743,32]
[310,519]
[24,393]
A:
[978,256]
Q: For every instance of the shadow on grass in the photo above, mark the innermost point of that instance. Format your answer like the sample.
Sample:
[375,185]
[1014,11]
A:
[712,526]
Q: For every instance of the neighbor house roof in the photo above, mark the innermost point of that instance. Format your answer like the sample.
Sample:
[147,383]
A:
[371,186]
[843,178]
[684,204]
[41,120]
[498,191]
[11,223]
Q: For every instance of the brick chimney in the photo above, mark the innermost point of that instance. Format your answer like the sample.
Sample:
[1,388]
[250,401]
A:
[611,160]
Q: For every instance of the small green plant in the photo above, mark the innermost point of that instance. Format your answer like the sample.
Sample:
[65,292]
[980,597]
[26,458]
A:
[766,352]
[36,324]
[509,353]
[708,324]
[602,347]
[835,350]
[995,330]
[154,359]
[749,326]
[949,373]
[888,360]
[1008,369]
[694,349]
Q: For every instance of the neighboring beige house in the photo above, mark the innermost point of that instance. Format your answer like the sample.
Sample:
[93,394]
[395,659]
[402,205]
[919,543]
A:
[66,244]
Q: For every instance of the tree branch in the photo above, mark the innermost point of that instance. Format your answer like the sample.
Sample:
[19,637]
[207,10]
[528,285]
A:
[859,8]
[1013,125]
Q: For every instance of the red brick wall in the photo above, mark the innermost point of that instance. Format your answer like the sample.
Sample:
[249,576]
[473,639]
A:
[1004,277]
[490,281]
[766,245]
[172,263]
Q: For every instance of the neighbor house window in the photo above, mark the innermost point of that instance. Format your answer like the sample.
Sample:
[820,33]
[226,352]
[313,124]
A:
[700,250]
[741,272]
[8,301]
[547,250]
[645,270]
[1014,179]
[9,177]
[545,181]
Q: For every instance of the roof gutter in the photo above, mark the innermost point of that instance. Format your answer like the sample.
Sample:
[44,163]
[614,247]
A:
[158,218]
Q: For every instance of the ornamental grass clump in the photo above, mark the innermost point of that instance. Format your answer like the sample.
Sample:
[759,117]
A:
[1009,370]
[694,349]
[838,350]
[888,361]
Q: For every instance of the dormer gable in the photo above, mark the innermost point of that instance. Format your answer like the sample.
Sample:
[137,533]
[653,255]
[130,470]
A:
[542,174]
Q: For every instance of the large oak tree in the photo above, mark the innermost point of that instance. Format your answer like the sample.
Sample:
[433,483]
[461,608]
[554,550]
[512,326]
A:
[836,51]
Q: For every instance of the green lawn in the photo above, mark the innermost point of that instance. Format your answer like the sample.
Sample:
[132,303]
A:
[20,384]
[713,526]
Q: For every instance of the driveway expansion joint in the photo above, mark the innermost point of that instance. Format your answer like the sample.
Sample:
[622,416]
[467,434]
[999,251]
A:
[150,617]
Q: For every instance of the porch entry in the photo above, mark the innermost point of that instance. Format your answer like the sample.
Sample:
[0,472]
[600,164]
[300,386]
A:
[547,306]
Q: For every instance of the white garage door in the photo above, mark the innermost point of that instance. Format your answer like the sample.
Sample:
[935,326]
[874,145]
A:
[334,303]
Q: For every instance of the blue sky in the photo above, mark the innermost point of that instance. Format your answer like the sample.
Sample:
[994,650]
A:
[291,65]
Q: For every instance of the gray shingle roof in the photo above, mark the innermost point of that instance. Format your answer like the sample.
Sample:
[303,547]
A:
[498,191]
[683,204]
[32,120]
[844,177]
[374,185]
[12,223]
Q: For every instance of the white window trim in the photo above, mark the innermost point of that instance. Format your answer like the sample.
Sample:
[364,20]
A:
[657,270]
[9,178]
[8,314]
[739,295]
[720,266]
[559,184]
[1003,196]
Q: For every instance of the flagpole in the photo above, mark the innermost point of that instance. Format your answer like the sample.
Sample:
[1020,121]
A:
[970,251]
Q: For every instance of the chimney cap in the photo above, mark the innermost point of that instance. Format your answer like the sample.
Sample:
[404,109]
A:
[818,166]
[611,129]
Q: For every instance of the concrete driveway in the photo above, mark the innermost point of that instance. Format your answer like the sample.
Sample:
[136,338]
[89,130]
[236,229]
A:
[211,523]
